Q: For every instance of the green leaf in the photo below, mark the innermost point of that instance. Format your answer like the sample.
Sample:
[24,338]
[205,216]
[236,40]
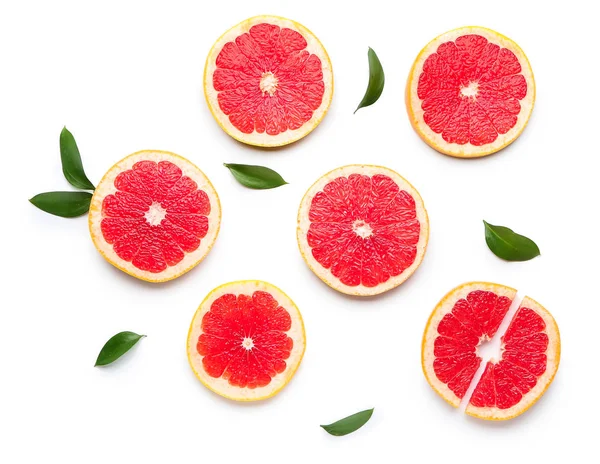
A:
[349,424]
[255,177]
[63,204]
[509,245]
[71,162]
[116,347]
[376,81]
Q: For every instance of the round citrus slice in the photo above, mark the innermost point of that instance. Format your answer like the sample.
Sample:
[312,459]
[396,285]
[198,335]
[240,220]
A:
[268,81]
[246,340]
[470,92]
[470,315]
[362,229]
[154,215]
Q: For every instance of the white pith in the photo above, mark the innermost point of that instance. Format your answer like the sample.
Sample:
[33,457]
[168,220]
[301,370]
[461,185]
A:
[468,150]
[471,90]
[444,307]
[553,359]
[362,229]
[155,214]
[431,333]
[268,83]
[304,224]
[289,136]
[296,333]
[481,348]
[107,187]
[247,343]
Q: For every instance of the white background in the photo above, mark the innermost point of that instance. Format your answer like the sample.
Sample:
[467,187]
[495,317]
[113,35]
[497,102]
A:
[125,76]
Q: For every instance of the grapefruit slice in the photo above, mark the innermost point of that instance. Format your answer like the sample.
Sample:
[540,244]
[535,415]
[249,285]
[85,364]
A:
[470,92]
[362,229]
[268,81]
[154,215]
[246,340]
[470,315]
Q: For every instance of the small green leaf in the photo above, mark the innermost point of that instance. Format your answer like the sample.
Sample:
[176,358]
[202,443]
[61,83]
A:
[509,245]
[63,204]
[255,177]
[71,162]
[376,81]
[349,424]
[116,347]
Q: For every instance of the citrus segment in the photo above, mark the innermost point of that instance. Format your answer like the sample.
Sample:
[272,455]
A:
[246,340]
[362,229]
[529,360]
[268,81]
[154,215]
[470,92]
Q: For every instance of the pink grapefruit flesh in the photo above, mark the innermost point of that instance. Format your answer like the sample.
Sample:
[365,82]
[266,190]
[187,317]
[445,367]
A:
[470,315]
[528,363]
[154,215]
[362,229]
[472,319]
[470,92]
[246,340]
[268,81]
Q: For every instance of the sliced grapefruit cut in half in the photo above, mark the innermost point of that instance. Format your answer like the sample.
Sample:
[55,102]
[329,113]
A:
[470,92]
[528,364]
[362,229]
[268,81]
[246,340]
[472,314]
[154,215]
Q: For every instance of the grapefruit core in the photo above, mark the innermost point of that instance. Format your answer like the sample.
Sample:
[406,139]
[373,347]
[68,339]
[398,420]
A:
[246,340]
[154,215]
[362,229]
[470,92]
[268,81]
[530,350]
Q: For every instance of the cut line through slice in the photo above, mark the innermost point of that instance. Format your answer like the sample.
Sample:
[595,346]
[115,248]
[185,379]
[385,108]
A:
[518,365]
[490,350]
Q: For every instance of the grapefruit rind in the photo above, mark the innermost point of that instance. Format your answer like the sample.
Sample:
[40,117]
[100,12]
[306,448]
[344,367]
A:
[325,274]
[107,187]
[296,333]
[257,139]
[543,382]
[415,112]
[430,334]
